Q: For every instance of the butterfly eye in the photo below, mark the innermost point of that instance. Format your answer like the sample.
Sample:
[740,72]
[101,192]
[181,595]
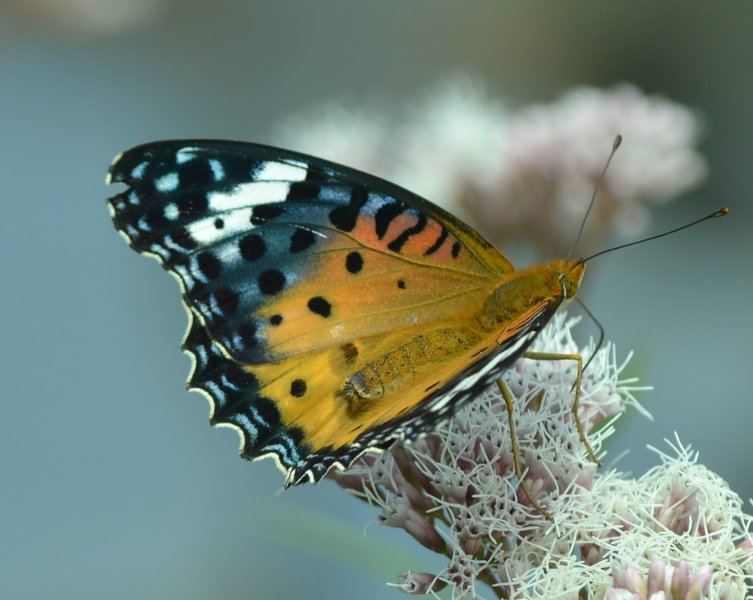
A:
[563,282]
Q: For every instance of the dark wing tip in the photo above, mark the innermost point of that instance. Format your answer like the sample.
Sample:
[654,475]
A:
[124,165]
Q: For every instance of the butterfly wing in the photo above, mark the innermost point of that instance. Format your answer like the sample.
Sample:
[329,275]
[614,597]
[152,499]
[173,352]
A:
[318,295]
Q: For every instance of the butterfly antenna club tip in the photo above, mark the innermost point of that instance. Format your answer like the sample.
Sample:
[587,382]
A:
[615,144]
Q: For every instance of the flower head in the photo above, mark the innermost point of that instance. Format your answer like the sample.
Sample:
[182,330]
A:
[555,154]
[677,530]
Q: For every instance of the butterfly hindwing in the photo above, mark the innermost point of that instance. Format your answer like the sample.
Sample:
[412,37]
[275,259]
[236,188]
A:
[328,307]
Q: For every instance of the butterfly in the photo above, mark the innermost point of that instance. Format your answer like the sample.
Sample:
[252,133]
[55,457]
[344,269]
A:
[331,312]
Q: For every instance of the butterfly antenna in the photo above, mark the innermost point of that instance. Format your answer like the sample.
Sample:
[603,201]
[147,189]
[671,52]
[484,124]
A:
[601,333]
[615,145]
[718,213]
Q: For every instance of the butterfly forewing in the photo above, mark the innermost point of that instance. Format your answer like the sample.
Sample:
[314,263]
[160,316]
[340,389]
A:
[330,309]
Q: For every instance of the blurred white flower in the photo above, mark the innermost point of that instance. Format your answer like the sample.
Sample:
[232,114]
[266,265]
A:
[455,492]
[555,154]
[351,138]
[456,132]
[86,17]
[430,149]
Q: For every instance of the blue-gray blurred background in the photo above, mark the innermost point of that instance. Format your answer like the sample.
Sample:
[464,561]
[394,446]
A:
[113,485]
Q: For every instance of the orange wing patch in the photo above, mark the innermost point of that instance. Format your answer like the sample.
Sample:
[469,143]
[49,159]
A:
[356,287]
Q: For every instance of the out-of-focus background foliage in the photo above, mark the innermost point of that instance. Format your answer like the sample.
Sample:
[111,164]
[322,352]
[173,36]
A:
[113,485]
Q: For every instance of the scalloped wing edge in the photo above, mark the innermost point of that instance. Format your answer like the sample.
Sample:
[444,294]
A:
[299,464]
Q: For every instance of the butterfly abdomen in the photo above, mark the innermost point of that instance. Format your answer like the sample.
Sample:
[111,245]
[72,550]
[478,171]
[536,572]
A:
[400,369]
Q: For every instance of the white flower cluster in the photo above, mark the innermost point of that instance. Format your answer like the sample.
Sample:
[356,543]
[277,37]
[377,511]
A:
[678,530]
[555,155]
[532,170]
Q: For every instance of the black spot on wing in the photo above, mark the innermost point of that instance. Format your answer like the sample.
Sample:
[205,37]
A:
[437,243]
[195,174]
[209,265]
[247,332]
[320,306]
[350,353]
[252,247]
[345,217]
[303,191]
[271,282]
[384,215]
[397,244]
[354,262]
[226,300]
[184,239]
[298,388]
[456,249]
[155,219]
[266,212]
[192,204]
[302,239]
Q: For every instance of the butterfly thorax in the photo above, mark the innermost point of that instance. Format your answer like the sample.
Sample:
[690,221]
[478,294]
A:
[535,292]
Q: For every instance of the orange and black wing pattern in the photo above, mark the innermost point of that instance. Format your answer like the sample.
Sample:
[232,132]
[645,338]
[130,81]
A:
[331,312]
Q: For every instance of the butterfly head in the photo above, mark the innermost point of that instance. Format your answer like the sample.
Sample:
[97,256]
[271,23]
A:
[531,293]
[569,273]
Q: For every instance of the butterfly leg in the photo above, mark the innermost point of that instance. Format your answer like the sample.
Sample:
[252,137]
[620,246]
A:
[576,401]
[507,396]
